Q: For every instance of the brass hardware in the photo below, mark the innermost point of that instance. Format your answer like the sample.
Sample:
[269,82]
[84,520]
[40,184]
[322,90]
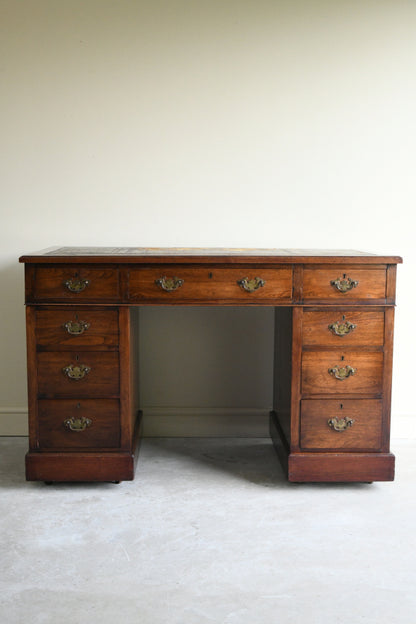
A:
[250,285]
[344,284]
[169,283]
[75,328]
[340,424]
[76,372]
[76,284]
[341,328]
[342,372]
[78,424]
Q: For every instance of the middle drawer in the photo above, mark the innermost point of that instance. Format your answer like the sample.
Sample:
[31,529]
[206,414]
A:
[78,374]
[342,372]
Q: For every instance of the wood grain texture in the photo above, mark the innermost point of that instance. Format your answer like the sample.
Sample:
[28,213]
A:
[104,431]
[387,376]
[371,283]
[306,395]
[210,285]
[86,466]
[368,378]
[368,330]
[32,366]
[173,255]
[340,467]
[103,284]
[364,434]
[51,334]
[103,380]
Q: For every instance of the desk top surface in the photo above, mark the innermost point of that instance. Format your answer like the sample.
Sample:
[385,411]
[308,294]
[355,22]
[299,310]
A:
[210,255]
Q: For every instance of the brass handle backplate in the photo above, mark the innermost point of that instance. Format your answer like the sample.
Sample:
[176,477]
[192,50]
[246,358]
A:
[169,284]
[250,285]
[342,372]
[344,284]
[76,371]
[340,424]
[76,284]
[75,328]
[77,424]
[341,328]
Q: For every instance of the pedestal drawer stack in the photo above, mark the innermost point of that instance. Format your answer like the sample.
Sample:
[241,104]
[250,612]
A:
[342,380]
[78,378]
[81,423]
[343,385]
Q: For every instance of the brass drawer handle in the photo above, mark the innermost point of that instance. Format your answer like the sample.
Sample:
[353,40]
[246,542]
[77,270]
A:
[76,372]
[76,284]
[340,424]
[344,284]
[169,284]
[250,285]
[342,372]
[341,328]
[75,328]
[78,424]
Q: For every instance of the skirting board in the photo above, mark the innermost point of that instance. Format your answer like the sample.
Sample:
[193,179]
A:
[193,422]
[13,421]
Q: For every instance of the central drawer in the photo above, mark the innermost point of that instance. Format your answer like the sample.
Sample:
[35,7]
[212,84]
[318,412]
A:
[210,285]
[78,374]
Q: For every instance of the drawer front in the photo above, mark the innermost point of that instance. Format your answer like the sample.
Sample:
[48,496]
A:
[76,284]
[76,327]
[211,285]
[343,327]
[343,424]
[72,424]
[343,283]
[86,374]
[349,372]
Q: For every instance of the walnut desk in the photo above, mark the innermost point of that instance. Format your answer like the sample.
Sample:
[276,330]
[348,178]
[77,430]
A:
[333,353]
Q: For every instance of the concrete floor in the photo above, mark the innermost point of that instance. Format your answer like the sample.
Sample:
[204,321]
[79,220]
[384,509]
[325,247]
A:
[209,532]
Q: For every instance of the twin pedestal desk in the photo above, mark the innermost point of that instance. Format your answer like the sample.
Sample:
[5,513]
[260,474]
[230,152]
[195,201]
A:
[333,353]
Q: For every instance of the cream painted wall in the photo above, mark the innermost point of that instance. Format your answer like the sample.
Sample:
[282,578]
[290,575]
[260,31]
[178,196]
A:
[218,123]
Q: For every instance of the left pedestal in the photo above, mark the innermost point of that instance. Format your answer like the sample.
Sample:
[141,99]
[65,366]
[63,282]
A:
[84,423]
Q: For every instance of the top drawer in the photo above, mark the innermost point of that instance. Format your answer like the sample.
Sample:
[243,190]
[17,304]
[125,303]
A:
[210,285]
[75,284]
[344,283]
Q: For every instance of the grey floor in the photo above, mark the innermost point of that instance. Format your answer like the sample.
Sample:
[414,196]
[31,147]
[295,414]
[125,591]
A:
[208,532]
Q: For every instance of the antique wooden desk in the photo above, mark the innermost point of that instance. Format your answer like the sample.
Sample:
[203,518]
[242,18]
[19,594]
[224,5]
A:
[333,353]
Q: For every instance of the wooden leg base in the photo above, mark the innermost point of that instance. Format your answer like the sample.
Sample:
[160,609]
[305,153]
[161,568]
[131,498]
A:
[101,466]
[330,467]
[341,467]
[52,467]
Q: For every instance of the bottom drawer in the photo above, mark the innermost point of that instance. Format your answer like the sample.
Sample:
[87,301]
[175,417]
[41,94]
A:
[71,424]
[355,424]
